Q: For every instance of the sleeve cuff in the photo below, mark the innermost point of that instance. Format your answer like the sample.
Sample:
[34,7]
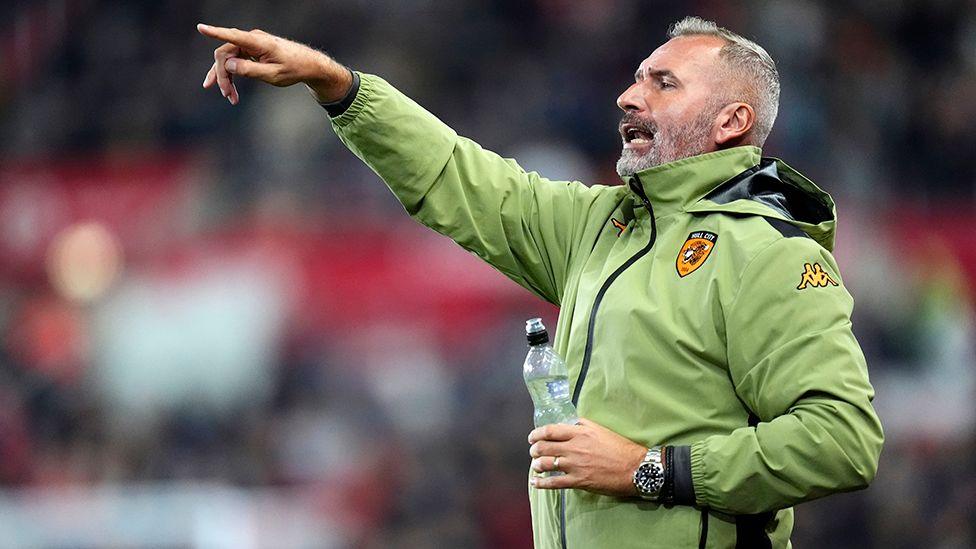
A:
[698,473]
[337,108]
[684,491]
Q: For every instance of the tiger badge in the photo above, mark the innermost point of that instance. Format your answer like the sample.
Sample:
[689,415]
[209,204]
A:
[695,251]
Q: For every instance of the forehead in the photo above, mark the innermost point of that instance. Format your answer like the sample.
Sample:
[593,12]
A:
[685,56]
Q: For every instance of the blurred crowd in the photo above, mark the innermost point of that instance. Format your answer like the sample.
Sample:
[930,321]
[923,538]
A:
[194,294]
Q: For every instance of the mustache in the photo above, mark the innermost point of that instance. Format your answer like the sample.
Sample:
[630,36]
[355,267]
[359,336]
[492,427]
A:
[632,119]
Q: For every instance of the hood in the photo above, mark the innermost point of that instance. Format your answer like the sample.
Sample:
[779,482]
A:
[739,181]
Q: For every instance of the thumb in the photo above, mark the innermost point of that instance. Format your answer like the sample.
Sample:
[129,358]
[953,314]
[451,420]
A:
[252,69]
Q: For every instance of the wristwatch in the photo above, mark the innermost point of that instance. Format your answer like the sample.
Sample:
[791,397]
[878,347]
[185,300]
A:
[649,476]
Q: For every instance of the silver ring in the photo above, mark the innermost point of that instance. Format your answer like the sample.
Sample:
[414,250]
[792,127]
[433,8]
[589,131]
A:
[555,464]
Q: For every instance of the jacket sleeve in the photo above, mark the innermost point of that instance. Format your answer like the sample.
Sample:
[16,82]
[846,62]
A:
[795,364]
[524,225]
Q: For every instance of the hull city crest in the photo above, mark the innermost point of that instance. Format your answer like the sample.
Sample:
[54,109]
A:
[695,251]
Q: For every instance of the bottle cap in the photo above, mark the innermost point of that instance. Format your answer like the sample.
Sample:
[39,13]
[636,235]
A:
[536,332]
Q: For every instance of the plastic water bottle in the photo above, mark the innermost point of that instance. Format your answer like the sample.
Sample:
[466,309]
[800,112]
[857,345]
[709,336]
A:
[547,378]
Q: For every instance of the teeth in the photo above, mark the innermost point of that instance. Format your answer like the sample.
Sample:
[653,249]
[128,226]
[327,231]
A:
[635,135]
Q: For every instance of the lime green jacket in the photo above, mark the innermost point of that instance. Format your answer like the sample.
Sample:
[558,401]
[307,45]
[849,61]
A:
[700,307]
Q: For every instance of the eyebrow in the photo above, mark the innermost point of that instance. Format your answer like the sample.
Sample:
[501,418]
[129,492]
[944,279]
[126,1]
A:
[655,74]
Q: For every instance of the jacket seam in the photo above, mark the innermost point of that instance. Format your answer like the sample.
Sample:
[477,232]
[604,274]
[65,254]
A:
[726,313]
[738,293]
[738,289]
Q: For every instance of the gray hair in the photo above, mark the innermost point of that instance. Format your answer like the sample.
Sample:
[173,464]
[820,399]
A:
[747,59]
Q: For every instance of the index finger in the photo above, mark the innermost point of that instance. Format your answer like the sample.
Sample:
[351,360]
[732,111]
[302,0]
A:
[558,432]
[234,36]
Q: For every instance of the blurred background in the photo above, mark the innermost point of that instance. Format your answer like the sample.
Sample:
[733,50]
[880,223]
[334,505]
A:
[218,329]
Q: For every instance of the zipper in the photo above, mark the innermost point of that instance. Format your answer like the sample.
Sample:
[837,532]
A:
[562,518]
[638,188]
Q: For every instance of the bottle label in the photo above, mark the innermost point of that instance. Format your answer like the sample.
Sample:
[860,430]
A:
[558,389]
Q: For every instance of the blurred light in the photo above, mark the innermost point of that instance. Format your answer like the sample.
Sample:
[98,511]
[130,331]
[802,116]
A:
[83,261]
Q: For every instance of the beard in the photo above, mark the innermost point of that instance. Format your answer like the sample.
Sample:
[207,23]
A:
[667,144]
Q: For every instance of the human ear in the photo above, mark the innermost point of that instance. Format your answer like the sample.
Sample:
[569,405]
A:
[734,121]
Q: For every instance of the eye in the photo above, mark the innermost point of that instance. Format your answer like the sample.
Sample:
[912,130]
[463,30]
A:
[664,84]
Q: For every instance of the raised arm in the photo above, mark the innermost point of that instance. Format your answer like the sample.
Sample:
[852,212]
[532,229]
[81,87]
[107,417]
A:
[526,226]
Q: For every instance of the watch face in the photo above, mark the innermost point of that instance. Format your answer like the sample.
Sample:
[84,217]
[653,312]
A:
[649,478]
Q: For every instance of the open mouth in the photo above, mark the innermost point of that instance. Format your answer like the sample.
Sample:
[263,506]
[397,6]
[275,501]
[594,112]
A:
[636,134]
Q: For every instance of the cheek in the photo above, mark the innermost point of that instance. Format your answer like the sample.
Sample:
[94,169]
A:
[681,118]
[684,106]
[673,110]
[669,122]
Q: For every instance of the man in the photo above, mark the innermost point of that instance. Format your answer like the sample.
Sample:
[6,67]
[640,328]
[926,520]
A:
[704,321]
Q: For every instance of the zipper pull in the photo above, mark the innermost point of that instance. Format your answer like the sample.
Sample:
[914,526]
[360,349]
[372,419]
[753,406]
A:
[637,186]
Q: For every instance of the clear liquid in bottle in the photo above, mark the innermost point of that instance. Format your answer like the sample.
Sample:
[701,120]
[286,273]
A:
[547,378]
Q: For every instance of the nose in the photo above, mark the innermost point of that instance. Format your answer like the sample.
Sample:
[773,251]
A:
[630,100]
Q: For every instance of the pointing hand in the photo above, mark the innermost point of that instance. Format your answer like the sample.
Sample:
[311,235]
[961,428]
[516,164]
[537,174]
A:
[272,59]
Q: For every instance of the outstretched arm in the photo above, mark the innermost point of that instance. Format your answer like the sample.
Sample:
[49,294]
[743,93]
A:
[526,226]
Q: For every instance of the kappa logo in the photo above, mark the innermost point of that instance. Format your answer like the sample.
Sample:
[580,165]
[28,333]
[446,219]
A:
[621,226]
[815,276]
[694,252]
